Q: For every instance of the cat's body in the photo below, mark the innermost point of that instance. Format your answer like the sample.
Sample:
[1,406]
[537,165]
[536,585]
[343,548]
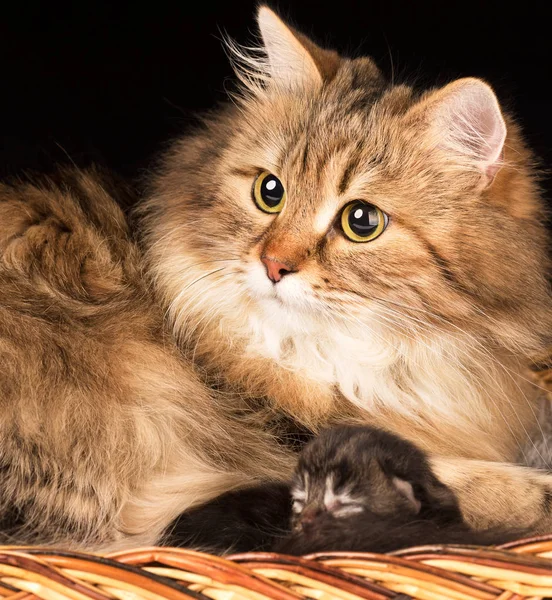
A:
[429,326]
[104,428]
[108,430]
[427,329]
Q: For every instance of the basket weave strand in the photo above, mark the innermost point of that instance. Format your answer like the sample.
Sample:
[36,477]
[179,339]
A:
[516,571]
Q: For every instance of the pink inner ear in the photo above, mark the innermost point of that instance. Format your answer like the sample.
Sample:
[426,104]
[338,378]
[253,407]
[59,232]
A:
[406,490]
[470,120]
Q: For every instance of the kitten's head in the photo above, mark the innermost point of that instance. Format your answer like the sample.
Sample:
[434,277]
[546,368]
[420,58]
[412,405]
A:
[352,470]
[327,199]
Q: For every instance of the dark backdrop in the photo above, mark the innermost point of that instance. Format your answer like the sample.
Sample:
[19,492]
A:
[112,82]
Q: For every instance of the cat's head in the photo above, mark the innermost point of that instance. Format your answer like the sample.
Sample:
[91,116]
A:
[326,198]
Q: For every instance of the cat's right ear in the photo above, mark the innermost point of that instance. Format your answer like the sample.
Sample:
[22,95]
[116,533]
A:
[464,121]
[293,60]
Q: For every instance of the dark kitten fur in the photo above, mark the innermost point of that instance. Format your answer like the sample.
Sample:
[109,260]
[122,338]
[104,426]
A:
[251,519]
[370,533]
[355,488]
[364,489]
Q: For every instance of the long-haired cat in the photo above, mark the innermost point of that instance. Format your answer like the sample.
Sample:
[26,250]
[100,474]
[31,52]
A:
[105,430]
[328,247]
[348,249]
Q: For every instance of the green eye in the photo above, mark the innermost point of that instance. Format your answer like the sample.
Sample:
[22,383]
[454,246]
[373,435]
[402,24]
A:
[269,193]
[363,222]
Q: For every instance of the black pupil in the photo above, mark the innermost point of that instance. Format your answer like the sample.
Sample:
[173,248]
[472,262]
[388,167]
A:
[272,191]
[363,219]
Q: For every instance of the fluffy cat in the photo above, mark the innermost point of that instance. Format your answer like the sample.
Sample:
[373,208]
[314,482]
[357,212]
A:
[104,427]
[350,250]
[328,248]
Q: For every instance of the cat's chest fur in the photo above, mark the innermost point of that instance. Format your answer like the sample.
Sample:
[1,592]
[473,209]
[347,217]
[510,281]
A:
[435,382]
[353,364]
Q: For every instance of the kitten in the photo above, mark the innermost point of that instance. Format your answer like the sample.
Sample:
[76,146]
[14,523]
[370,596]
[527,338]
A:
[367,490]
[354,489]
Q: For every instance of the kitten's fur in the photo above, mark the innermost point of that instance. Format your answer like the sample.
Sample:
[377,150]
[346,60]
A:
[366,490]
[108,431]
[354,488]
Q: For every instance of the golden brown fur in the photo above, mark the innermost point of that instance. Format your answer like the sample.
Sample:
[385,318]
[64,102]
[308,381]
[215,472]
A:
[105,430]
[109,431]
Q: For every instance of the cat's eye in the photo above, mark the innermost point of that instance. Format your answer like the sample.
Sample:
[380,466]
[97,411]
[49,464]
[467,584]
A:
[269,193]
[363,222]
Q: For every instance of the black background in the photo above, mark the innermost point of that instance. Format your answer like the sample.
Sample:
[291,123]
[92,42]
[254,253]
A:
[113,82]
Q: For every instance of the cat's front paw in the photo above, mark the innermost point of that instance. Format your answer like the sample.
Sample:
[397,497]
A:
[352,470]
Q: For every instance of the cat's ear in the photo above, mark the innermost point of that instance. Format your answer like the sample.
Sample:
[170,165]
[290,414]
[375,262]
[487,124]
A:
[464,120]
[406,490]
[294,61]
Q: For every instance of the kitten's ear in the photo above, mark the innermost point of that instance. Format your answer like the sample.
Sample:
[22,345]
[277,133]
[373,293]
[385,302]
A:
[428,497]
[406,490]
[465,120]
[293,59]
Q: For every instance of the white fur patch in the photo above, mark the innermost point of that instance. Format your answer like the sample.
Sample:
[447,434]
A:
[340,503]
[375,363]
[298,494]
[439,377]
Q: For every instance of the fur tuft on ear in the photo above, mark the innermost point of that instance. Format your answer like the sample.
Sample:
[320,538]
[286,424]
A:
[287,60]
[465,119]
[290,63]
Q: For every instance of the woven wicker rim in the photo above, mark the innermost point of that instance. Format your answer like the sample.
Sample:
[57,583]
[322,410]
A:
[515,571]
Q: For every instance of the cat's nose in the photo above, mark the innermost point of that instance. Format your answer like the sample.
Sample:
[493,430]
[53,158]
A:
[309,517]
[275,269]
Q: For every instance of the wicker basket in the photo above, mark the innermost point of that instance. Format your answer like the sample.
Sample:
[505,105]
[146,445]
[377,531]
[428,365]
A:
[520,570]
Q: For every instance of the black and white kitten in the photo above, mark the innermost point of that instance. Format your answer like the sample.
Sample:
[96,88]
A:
[354,489]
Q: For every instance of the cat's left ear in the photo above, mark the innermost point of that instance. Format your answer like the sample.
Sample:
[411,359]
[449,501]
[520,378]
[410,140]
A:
[294,61]
[464,120]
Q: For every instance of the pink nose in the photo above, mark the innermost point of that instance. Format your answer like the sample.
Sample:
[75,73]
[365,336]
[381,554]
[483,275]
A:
[275,269]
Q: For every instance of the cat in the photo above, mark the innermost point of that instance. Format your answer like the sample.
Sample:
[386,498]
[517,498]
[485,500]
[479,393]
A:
[329,248]
[355,488]
[355,251]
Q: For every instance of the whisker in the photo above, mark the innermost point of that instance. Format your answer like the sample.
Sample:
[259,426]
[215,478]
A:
[472,376]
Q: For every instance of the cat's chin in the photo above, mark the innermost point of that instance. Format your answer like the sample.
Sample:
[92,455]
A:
[291,292]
